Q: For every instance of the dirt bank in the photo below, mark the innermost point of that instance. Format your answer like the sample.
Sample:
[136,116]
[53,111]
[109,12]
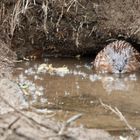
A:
[68,27]
[32,126]
[7,58]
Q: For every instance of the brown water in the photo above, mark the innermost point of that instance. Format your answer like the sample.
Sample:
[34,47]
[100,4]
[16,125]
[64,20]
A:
[79,91]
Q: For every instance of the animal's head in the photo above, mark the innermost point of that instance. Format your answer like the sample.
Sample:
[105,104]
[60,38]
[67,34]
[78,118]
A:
[121,56]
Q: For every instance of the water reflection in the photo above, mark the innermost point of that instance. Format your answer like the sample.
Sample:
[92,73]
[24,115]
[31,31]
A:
[116,82]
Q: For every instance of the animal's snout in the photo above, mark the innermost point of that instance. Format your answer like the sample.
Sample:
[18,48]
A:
[120,70]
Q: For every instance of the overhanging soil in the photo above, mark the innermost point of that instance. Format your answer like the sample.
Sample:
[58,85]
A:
[68,28]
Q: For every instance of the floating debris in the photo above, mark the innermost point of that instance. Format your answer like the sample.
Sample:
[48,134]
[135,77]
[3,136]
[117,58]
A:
[133,77]
[79,73]
[78,56]
[39,93]
[94,77]
[44,111]
[36,77]
[29,71]
[78,66]
[87,66]
[48,68]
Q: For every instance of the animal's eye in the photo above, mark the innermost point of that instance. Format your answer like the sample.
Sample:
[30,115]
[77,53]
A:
[125,60]
[113,60]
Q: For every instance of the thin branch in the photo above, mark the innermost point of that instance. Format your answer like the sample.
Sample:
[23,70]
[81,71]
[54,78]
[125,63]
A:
[118,113]
[45,10]
[11,124]
[60,17]
[68,122]
[77,34]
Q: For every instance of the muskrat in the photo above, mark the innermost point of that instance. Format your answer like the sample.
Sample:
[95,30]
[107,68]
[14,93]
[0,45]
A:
[117,57]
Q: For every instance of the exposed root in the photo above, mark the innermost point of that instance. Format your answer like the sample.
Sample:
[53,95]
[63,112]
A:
[45,10]
[60,17]
[74,3]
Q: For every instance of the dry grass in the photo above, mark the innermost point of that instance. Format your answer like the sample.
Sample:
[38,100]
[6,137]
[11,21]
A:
[15,16]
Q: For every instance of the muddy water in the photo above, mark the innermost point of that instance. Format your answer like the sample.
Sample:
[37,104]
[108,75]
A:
[81,90]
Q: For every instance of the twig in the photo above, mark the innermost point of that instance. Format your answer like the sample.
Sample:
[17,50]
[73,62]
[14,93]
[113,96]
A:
[118,113]
[77,34]
[93,29]
[34,2]
[60,17]
[11,124]
[25,6]
[68,122]
[72,2]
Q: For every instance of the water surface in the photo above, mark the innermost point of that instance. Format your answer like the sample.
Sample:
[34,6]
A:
[80,90]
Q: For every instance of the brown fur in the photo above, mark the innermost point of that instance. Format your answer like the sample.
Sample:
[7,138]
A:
[117,57]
